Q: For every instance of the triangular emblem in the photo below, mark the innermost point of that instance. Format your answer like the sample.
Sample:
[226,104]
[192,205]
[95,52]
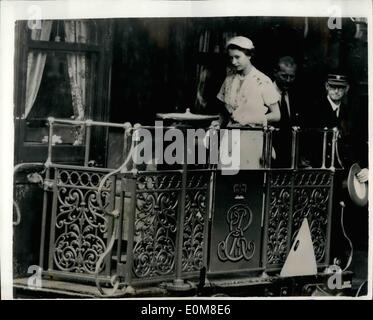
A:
[301,259]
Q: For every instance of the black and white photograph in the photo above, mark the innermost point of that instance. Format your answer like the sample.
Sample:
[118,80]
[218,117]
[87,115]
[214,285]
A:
[185,149]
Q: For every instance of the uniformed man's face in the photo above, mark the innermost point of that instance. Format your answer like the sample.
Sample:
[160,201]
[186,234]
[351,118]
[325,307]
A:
[239,60]
[336,93]
[285,76]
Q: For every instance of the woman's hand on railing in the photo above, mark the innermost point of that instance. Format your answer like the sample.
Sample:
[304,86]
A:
[245,118]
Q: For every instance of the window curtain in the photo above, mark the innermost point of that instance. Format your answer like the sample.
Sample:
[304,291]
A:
[35,65]
[77,32]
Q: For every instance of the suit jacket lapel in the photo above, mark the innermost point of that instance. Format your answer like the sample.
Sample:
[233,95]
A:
[293,109]
[331,118]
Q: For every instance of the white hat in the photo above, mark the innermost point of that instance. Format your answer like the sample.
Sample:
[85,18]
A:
[242,42]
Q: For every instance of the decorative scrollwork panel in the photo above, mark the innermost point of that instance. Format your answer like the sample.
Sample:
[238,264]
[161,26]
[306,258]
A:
[313,178]
[196,204]
[311,200]
[312,203]
[80,227]
[278,225]
[158,182]
[198,180]
[155,224]
[281,179]
[194,229]
[311,191]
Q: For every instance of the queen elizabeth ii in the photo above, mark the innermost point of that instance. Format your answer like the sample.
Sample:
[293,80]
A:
[250,99]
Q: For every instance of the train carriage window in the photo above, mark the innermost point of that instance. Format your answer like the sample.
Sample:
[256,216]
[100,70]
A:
[65,91]
[63,72]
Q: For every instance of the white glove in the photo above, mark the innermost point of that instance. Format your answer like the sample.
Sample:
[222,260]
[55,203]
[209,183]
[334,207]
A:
[362,176]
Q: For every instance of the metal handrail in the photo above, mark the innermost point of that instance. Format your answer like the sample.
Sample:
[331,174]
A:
[121,169]
[115,214]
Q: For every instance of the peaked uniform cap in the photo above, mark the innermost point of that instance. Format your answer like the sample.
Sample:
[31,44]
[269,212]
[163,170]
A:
[337,79]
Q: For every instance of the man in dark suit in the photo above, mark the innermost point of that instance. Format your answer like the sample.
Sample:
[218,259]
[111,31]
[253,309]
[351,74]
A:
[330,112]
[284,77]
[332,108]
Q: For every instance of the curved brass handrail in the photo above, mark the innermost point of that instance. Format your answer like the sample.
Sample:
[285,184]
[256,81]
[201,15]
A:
[121,168]
[115,214]
[101,260]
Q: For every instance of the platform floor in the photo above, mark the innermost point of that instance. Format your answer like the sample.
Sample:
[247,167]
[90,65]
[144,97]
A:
[228,287]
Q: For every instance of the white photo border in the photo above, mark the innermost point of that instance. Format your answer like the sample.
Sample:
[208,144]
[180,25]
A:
[11,11]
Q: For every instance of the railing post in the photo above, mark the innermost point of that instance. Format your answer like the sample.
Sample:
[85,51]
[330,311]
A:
[324,148]
[126,145]
[334,143]
[45,195]
[269,144]
[330,212]
[88,127]
[265,146]
[120,225]
[131,231]
[294,147]
[131,183]
[178,283]
[267,185]
[43,221]
[50,137]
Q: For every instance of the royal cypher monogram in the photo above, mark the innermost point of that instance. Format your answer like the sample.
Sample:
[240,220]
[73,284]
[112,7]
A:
[239,217]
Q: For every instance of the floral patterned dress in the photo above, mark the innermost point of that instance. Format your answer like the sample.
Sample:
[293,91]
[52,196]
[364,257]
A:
[248,98]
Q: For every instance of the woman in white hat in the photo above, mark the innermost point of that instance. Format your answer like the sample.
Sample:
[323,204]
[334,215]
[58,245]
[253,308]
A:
[250,98]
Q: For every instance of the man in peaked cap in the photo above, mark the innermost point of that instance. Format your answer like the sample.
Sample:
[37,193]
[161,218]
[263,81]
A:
[336,87]
[331,112]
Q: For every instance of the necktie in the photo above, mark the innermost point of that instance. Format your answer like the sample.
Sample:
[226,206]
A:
[336,112]
[285,119]
[333,119]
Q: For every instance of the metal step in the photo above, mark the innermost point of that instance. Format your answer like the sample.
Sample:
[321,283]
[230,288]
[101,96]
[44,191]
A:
[53,289]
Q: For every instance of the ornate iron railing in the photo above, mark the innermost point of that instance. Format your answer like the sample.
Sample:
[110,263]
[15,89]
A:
[159,246]
[293,196]
[79,228]
[131,227]
[78,212]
